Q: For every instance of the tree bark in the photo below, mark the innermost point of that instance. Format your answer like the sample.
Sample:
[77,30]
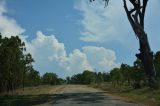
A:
[146,57]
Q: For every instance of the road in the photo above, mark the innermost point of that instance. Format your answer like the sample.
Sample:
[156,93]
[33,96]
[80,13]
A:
[81,95]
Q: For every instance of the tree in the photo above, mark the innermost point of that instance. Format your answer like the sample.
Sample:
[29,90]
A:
[50,78]
[138,74]
[136,18]
[106,77]
[32,78]
[11,56]
[88,77]
[116,76]
[68,80]
[27,69]
[99,78]
[14,63]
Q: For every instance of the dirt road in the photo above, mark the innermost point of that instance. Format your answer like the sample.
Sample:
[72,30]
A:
[80,95]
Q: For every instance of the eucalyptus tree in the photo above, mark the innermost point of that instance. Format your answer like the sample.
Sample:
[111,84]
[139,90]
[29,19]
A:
[15,65]
[135,17]
[11,56]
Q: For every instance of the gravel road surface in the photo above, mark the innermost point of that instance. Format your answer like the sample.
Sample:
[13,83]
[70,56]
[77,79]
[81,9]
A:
[81,95]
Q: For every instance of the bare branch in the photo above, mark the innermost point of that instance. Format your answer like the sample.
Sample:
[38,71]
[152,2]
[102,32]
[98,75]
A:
[143,12]
[129,16]
[106,2]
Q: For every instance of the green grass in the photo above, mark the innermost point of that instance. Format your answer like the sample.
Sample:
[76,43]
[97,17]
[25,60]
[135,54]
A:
[144,95]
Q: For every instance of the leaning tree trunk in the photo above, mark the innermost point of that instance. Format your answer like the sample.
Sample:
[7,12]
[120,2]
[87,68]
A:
[146,57]
[136,19]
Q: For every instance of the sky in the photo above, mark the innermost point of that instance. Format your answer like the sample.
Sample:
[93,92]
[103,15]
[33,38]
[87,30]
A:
[69,36]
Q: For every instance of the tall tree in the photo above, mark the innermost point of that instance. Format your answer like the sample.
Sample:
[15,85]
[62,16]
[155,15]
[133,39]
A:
[15,64]
[136,18]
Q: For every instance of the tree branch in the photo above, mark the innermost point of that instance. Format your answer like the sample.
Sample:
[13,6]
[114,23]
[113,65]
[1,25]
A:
[143,12]
[129,16]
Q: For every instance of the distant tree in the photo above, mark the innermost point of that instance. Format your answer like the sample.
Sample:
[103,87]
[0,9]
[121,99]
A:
[33,78]
[99,78]
[68,80]
[126,73]
[50,78]
[60,81]
[138,74]
[88,77]
[116,77]
[106,77]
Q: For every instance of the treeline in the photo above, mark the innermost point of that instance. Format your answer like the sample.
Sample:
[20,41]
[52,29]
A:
[51,79]
[88,77]
[16,69]
[133,76]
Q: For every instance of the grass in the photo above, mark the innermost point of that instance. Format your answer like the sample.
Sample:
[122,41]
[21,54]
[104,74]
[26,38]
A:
[144,95]
[30,96]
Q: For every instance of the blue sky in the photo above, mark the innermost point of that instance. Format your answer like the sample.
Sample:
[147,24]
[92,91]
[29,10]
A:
[69,36]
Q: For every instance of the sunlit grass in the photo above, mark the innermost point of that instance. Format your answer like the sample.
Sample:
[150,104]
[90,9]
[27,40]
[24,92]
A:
[143,95]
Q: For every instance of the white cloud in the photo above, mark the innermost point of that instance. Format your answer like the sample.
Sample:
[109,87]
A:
[77,62]
[50,53]
[102,24]
[101,58]
[48,50]
[8,26]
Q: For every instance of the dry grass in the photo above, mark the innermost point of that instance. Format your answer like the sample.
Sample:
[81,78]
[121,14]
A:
[43,89]
[28,96]
[145,95]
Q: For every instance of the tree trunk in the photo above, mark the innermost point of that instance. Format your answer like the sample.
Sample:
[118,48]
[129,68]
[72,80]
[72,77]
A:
[146,57]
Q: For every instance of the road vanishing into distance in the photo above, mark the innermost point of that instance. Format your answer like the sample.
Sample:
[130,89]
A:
[81,95]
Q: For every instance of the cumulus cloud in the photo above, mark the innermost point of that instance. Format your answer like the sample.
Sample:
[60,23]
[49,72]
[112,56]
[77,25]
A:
[8,26]
[51,54]
[101,58]
[102,24]
[77,61]
[48,50]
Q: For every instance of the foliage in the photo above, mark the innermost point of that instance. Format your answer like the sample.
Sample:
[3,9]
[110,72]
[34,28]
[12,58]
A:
[88,77]
[51,79]
[16,70]
[15,65]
